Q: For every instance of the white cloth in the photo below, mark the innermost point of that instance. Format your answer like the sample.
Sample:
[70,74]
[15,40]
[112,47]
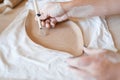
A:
[20,58]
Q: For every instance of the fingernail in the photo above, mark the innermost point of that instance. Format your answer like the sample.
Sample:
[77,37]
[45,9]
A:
[47,26]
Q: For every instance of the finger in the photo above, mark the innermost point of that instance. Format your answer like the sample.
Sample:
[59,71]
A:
[47,24]
[61,18]
[52,25]
[43,23]
[94,51]
[80,62]
[53,22]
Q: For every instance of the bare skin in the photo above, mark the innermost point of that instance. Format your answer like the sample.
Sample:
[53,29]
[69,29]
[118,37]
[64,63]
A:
[74,7]
[101,7]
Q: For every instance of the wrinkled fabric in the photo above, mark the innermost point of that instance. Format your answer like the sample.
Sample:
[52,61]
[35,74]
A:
[12,3]
[21,58]
[4,4]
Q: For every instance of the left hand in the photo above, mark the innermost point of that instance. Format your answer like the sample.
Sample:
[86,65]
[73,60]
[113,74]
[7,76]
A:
[95,66]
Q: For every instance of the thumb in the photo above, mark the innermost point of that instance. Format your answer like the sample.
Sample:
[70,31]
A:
[93,51]
[61,18]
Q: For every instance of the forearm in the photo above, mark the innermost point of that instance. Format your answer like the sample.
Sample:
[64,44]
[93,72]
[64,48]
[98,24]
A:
[87,8]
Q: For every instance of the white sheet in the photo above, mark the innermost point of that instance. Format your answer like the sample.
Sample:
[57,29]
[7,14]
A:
[20,58]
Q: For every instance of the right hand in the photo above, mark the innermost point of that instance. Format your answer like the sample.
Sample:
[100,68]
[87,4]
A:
[51,14]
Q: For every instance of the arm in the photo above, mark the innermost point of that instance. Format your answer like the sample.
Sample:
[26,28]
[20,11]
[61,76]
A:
[87,8]
[53,13]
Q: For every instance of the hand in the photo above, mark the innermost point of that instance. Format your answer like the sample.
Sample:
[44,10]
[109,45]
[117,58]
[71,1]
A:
[52,13]
[95,66]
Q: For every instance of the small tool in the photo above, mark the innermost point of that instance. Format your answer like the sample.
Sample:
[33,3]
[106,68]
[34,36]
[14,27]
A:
[42,29]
